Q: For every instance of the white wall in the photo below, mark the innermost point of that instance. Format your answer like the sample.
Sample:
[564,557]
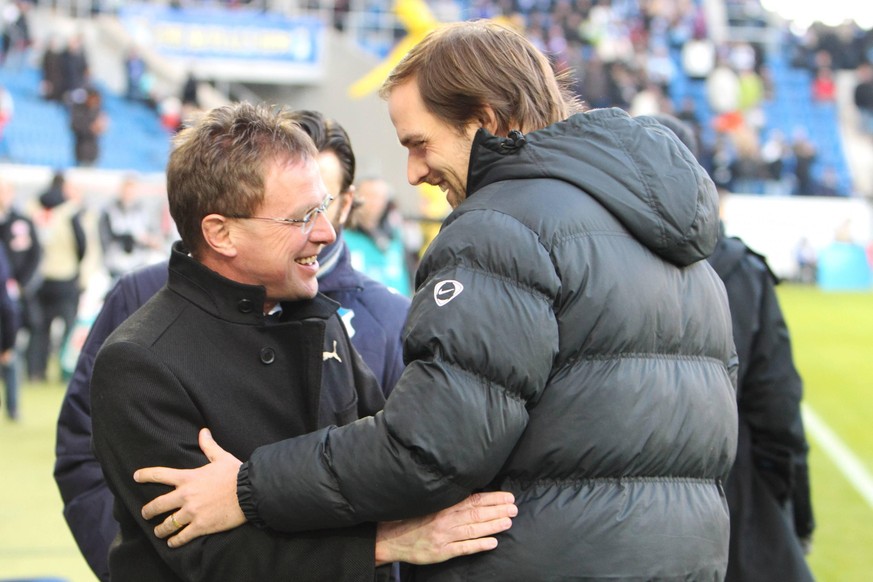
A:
[773,226]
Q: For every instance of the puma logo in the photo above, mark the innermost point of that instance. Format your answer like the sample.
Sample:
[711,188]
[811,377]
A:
[325,356]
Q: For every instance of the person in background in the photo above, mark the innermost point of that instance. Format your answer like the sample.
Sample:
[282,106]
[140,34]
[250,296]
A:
[21,245]
[373,317]
[862,97]
[59,221]
[51,85]
[567,342]
[88,122]
[127,230]
[74,68]
[768,489]
[375,238]
[9,324]
[135,71]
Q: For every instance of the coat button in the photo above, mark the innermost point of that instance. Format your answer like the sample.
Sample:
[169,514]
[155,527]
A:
[268,356]
[245,306]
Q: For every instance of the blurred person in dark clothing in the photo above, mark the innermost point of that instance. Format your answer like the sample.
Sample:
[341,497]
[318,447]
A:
[52,83]
[862,96]
[22,248]
[74,68]
[768,488]
[9,324]
[88,122]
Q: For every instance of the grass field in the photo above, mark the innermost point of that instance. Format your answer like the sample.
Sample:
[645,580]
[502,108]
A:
[833,340]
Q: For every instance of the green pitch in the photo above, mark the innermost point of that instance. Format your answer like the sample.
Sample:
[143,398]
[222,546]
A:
[833,346]
[832,335]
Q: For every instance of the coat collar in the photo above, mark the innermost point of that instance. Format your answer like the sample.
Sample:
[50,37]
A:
[233,301]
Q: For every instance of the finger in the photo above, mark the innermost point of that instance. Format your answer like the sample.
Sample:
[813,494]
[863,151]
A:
[467,547]
[486,498]
[208,445]
[171,525]
[184,536]
[480,514]
[163,475]
[480,529]
[167,502]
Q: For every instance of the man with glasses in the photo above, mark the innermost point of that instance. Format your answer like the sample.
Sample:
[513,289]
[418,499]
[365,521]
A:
[373,316]
[240,341]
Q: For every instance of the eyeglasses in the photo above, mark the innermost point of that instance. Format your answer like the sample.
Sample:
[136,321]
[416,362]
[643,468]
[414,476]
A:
[306,223]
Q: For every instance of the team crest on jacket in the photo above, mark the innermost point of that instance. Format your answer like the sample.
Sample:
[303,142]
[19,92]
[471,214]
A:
[445,291]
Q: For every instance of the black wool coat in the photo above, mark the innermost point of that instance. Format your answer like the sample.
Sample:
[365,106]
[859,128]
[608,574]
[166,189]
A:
[200,354]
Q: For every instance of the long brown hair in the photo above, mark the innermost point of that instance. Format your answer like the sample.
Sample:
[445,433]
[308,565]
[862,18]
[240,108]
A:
[464,66]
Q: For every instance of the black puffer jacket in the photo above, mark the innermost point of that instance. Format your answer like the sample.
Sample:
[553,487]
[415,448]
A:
[567,343]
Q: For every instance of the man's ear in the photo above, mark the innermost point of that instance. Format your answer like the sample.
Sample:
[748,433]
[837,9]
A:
[218,234]
[488,120]
[345,201]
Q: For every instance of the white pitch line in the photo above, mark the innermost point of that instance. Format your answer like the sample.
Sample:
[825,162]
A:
[842,456]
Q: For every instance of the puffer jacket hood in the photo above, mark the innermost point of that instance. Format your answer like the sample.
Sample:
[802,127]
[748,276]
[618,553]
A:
[670,210]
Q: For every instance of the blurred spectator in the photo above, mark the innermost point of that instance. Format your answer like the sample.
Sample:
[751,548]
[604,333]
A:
[135,74]
[127,232]
[58,218]
[698,58]
[74,70]
[375,237]
[723,89]
[863,97]
[9,322]
[751,96]
[88,121]
[189,91]
[23,252]
[807,262]
[19,237]
[52,84]
[805,154]
[774,154]
[824,88]
[16,38]
[593,82]
[747,168]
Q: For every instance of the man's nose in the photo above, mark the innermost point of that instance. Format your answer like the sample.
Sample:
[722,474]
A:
[416,171]
[322,230]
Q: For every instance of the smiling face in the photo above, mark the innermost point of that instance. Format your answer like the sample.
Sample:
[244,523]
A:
[281,256]
[438,153]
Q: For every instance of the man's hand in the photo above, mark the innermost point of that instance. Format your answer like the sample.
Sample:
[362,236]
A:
[204,500]
[459,530]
